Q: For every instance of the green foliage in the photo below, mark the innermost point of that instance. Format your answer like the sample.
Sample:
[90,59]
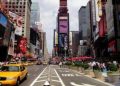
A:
[68,63]
[96,68]
[78,64]
[85,66]
[113,67]
[81,64]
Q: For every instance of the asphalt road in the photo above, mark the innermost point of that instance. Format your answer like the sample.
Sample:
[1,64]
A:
[33,72]
[72,78]
[58,77]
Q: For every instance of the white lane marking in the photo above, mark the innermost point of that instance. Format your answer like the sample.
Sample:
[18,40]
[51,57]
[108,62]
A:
[59,78]
[40,80]
[37,77]
[74,84]
[67,75]
[42,77]
[55,80]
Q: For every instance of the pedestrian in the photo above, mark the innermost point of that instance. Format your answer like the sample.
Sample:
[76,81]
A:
[60,64]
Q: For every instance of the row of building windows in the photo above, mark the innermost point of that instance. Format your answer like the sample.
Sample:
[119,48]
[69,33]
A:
[15,6]
[13,10]
[21,3]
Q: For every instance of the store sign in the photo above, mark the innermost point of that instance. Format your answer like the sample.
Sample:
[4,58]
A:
[3,20]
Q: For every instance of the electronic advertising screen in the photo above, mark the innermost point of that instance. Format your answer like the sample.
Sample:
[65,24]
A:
[63,26]
[3,20]
[63,40]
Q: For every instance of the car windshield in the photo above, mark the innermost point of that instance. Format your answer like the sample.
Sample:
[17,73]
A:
[10,68]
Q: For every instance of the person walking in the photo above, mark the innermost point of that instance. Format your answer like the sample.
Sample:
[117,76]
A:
[60,64]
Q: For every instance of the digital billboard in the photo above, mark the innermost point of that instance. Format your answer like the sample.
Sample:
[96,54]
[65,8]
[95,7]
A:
[3,20]
[70,38]
[63,26]
[63,41]
[56,38]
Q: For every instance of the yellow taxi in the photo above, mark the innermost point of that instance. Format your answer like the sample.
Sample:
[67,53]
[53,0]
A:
[12,74]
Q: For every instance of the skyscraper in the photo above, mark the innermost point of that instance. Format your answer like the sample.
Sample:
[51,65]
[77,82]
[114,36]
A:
[63,29]
[21,8]
[35,14]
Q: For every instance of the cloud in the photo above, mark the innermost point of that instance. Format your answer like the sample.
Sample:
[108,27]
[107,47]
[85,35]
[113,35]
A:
[48,14]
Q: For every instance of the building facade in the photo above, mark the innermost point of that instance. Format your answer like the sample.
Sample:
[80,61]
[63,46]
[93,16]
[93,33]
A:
[113,29]
[35,14]
[63,29]
[21,8]
[82,48]
[5,33]
[98,28]
[83,22]
[73,43]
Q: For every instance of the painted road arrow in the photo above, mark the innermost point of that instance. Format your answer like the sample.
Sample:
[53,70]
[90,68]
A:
[83,84]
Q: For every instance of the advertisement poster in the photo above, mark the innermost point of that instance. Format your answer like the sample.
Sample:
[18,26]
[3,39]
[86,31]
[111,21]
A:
[63,26]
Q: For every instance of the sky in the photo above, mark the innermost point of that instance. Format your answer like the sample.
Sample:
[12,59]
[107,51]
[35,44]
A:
[48,16]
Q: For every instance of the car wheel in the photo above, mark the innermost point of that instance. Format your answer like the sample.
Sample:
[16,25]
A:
[26,76]
[18,82]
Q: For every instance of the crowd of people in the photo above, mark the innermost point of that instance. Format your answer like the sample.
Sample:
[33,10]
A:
[103,66]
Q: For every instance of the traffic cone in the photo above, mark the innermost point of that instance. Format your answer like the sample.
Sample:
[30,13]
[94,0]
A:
[46,83]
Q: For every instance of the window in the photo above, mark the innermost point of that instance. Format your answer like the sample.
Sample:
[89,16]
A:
[9,6]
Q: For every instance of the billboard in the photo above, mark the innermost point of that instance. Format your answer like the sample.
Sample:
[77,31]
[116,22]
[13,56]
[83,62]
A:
[56,38]
[63,26]
[3,20]
[102,26]
[17,20]
[23,45]
[70,38]
[63,41]
[99,3]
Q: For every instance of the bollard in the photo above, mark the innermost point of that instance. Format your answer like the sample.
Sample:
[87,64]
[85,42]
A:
[46,83]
